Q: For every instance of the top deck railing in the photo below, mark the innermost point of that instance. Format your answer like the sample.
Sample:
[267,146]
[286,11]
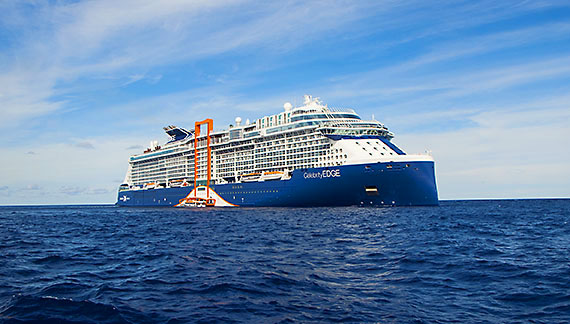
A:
[341,110]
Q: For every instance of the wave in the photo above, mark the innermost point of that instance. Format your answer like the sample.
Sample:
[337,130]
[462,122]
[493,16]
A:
[50,309]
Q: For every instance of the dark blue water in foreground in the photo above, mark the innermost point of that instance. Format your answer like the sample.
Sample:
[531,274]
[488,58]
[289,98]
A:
[462,262]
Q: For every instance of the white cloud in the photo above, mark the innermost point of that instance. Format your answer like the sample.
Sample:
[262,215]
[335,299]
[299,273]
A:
[63,173]
[510,154]
[123,40]
[116,40]
[84,145]
[443,93]
[72,190]
[85,191]
[25,94]
[32,187]
[501,40]
[134,78]
[185,107]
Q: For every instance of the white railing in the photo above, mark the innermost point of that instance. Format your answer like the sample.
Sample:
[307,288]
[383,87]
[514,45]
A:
[341,110]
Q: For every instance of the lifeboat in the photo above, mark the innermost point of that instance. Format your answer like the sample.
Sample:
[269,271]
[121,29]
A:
[272,175]
[178,183]
[250,177]
[150,185]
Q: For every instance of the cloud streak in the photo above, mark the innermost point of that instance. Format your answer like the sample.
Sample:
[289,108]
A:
[74,191]
[84,145]
[108,38]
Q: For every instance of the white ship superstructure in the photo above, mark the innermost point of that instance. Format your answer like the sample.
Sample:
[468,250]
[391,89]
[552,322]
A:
[309,136]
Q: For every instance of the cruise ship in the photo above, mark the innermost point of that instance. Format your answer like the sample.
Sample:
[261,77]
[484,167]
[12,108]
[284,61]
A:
[309,155]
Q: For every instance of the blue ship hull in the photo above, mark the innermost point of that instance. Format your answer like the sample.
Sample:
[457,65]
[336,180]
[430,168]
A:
[392,184]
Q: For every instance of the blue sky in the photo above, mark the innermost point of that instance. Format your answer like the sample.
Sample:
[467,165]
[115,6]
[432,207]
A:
[483,85]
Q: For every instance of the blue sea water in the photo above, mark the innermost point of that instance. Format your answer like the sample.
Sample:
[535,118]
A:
[503,261]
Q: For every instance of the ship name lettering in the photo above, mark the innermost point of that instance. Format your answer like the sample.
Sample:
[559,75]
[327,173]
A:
[323,174]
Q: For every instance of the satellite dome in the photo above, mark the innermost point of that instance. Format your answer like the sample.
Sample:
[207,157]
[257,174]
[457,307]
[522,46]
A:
[288,106]
[238,121]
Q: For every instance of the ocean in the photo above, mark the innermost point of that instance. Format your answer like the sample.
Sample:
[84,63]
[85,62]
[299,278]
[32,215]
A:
[498,261]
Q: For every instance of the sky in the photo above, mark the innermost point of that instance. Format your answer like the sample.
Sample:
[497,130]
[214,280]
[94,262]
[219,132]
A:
[482,85]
